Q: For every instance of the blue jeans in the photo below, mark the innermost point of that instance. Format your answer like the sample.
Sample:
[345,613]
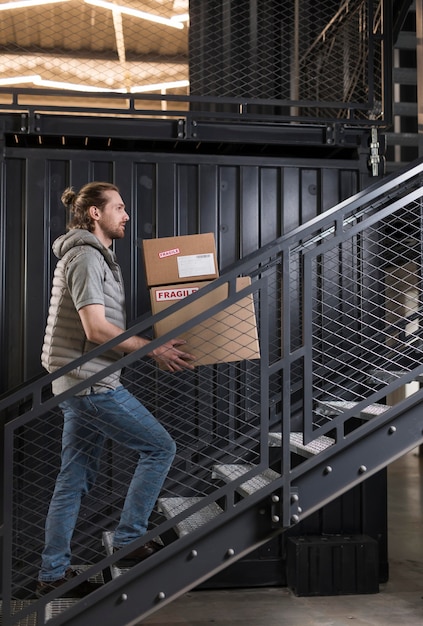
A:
[88,422]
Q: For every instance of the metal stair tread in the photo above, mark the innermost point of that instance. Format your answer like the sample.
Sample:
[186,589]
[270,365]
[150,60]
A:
[170,507]
[296,443]
[59,605]
[387,376]
[19,605]
[405,108]
[406,40]
[52,609]
[405,75]
[56,607]
[229,472]
[336,407]
[403,139]
[107,540]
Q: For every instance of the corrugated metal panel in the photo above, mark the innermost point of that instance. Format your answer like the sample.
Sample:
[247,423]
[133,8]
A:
[245,202]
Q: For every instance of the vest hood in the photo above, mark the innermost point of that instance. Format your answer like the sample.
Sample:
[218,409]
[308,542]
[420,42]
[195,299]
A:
[77,237]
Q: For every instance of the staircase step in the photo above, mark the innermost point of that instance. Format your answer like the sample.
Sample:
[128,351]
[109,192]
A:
[170,507]
[107,540]
[53,609]
[296,443]
[407,109]
[333,407]
[405,75]
[406,40]
[403,139]
[388,376]
[232,472]
[57,607]
[19,605]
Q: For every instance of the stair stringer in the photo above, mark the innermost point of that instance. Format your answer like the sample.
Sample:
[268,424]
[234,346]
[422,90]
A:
[179,567]
[371,448]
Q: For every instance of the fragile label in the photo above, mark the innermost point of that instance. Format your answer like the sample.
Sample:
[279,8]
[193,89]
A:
[166,253]
[164,295]
[196,265]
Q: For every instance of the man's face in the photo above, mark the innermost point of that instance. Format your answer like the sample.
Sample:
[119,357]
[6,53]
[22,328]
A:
[113,217]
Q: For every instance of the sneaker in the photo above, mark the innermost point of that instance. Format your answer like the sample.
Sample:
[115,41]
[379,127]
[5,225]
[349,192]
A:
[82,590]
[138,555]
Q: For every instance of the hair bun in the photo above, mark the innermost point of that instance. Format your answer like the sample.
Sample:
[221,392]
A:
[68,197]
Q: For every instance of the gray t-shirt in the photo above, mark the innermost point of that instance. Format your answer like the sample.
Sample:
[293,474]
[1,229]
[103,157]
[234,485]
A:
[85,278]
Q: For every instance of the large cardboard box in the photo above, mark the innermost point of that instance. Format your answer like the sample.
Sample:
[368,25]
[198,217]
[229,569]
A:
[230,335]
[181,259]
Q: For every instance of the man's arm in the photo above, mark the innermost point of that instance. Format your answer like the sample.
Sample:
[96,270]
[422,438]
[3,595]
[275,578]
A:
[99,330]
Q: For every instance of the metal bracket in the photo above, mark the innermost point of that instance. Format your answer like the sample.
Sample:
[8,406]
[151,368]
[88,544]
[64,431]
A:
[330,134]
[276,515]
[295,509]
[30,122]
[191,130]
[182,129]
[24,128]
[335,135]
[279,520]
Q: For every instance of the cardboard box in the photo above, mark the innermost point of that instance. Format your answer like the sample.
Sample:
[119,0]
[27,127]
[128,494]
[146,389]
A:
[170,260]
[230,335]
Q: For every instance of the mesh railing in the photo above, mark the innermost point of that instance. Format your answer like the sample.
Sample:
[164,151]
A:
[333,308]
[365,309]
[165,58]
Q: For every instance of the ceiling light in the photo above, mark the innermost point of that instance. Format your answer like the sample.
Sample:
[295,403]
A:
[74,86]
[160,86]
[17,80]
[183,17]
[36,79]
[135,13]
[22,4]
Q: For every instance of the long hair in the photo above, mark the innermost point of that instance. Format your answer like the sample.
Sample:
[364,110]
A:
[78,204]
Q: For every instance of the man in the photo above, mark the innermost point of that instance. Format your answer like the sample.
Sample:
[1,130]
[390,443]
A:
[87,308]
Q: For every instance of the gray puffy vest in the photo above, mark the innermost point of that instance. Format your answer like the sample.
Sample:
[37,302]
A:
[65,339]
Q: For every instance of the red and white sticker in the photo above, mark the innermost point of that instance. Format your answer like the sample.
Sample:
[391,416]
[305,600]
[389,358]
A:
[177,293]
[166,253]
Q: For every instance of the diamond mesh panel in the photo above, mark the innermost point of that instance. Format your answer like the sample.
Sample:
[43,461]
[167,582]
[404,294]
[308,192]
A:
[286,60]
[367,317]
[334,62]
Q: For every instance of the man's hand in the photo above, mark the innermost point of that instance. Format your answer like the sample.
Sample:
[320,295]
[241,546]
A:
[173,359]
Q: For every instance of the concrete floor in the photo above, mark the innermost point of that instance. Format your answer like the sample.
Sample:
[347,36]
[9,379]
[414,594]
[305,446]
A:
[399,601]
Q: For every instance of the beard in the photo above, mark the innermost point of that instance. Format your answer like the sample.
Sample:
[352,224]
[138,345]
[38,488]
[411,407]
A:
[115,232]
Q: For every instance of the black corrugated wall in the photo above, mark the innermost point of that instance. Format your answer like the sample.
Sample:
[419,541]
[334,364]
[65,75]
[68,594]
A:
[245,201]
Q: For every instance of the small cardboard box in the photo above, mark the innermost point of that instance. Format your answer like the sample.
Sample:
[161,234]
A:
[230,335]
[170,260]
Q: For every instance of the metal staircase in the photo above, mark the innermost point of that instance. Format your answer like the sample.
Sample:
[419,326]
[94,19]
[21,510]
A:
[261,444]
